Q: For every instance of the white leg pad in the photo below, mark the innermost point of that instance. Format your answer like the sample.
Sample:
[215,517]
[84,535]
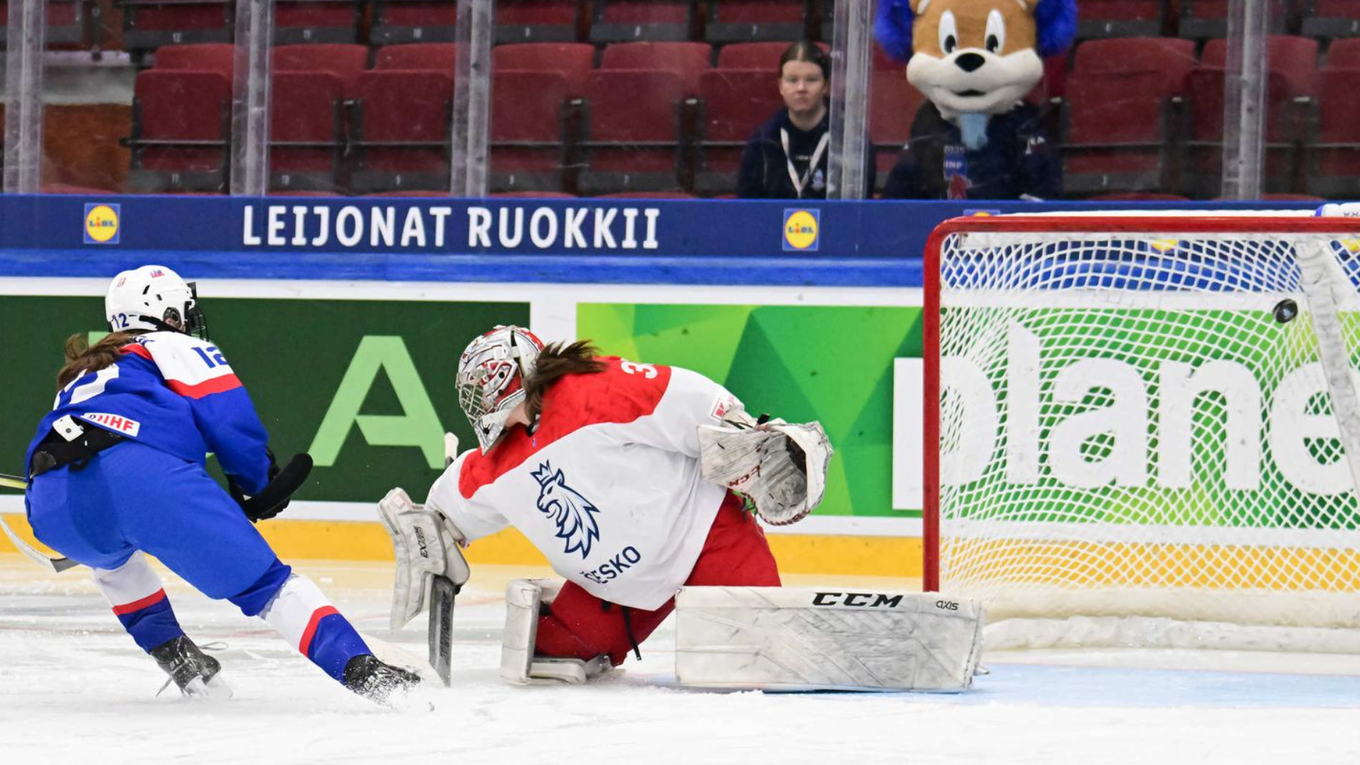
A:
[519,665]
[828,638]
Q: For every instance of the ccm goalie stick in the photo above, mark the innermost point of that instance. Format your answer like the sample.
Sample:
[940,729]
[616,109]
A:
[57,565]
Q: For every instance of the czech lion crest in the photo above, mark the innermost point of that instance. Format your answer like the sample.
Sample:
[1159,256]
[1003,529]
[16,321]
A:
[573,514]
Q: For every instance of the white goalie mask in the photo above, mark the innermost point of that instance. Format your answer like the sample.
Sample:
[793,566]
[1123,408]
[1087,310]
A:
[156,299]
[491,375]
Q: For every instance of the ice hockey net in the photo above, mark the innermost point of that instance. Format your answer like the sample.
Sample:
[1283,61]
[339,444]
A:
[1137,428]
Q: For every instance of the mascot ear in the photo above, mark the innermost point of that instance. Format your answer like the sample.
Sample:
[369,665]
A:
[892,26]
[1056,21]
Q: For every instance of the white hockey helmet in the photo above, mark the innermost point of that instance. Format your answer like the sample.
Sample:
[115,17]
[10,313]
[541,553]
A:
[156,299]
[491,375]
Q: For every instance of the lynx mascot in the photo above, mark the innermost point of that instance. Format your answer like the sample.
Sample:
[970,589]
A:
[975,60]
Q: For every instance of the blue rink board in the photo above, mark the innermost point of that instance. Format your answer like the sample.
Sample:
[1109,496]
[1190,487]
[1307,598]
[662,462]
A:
[640,241]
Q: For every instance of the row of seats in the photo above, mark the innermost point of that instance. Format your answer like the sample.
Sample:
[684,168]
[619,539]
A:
[1145,115]
[149,24]
[557,122]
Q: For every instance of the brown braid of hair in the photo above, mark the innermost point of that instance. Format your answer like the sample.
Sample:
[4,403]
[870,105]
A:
[555,362]
[81,357]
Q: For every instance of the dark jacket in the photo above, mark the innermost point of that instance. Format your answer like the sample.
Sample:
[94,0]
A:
[764,167]
[1018,159]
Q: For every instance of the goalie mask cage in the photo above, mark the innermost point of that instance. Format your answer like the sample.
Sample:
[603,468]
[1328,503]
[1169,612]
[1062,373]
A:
[1144,430]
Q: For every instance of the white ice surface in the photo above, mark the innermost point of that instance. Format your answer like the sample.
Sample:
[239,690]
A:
[74,689]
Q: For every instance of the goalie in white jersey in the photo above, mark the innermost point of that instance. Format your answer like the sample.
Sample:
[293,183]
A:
[597,461]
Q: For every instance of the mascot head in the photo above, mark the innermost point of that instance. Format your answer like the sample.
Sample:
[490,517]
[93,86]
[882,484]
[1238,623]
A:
[975,57]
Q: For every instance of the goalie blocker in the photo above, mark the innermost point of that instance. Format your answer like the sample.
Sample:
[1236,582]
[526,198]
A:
[801,639]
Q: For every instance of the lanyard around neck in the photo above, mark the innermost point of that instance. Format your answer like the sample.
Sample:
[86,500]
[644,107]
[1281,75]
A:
[800,183]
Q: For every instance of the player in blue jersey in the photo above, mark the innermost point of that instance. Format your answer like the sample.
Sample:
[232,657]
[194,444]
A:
[117,470]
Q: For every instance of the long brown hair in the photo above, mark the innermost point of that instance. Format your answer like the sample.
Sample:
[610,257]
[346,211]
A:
[81,357]
[555,362]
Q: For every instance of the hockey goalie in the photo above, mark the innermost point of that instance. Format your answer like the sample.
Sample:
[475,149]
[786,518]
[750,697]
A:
[634,481]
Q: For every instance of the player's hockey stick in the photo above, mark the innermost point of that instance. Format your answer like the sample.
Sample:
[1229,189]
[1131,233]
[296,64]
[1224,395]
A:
[267,503]
[57,565]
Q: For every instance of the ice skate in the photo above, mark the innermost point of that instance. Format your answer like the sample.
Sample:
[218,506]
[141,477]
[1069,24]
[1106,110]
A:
[369,677]
[194,672]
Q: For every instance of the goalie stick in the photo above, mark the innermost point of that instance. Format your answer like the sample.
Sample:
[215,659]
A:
[56,565]
[442,594]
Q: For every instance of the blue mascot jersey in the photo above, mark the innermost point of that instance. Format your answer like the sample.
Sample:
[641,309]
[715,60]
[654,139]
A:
[176,394]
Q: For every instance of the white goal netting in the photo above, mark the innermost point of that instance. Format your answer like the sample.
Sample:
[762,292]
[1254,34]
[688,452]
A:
[1138,429]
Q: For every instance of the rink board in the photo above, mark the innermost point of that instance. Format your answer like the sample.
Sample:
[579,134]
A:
[365,387]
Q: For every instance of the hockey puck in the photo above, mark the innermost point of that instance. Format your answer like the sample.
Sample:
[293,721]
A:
[1286,310]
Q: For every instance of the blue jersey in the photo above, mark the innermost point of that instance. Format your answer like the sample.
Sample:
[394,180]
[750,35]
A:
[174,393]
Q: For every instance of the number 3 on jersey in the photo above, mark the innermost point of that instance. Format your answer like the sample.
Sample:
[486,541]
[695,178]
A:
[647,370]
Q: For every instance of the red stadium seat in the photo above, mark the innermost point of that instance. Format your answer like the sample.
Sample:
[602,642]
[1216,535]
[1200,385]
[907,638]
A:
[317,21]
[630,20]
[149,24]
[401,131]
[523,21]
[1344,54]
[732,21]
[732,104]
[1330,18]
[1120,18]
[688,59]
[633,134]
[1285,120]
[759,55]
[1172,56]
[305,131]
[529,135]
[206,57]
[181,123]
[414,21]
[1203,19]
[572,60]
[436,57]
[346,62]
[1117,135]
[893,103]
[1295,58]
[65,23]
[1334,156]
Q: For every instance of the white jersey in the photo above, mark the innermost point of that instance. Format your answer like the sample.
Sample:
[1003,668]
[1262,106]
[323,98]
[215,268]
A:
[607,486]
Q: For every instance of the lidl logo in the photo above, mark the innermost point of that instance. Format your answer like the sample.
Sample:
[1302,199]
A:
[802,230]
[101,224]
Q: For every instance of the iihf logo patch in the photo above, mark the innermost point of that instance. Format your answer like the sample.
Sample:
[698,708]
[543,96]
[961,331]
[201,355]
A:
[573,513]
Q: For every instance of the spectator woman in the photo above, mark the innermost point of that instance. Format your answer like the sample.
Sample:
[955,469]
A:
[787,157]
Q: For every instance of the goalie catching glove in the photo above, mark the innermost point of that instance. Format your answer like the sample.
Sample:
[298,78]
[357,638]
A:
[426,545]
[781,467]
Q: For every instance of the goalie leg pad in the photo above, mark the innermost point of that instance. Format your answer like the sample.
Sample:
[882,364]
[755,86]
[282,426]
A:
[426,545]
[800,639]
[524,599]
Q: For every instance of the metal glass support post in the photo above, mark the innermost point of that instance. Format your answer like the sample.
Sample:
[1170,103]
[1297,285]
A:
[471,120]
[850,51]
[250,98]
[23,96]
[1244,99]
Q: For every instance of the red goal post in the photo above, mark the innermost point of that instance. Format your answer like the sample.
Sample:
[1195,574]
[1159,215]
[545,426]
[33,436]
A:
[1071,496]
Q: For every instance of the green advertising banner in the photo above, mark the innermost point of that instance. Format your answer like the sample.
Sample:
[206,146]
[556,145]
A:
[827,363]
[365,386]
